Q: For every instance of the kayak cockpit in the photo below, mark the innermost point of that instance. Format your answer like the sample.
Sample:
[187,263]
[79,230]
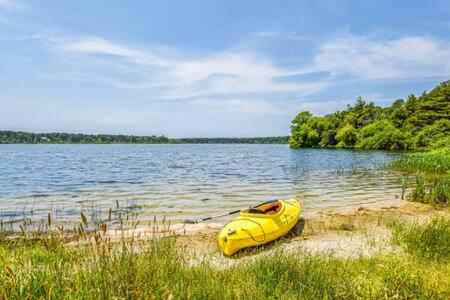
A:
[268,208]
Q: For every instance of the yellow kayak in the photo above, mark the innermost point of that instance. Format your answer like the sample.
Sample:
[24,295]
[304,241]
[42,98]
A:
[259,225]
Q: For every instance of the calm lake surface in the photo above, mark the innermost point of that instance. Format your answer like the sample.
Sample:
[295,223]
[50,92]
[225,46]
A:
[185,181]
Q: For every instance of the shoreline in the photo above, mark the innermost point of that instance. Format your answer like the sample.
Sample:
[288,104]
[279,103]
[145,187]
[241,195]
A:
[400,206]
[348,232]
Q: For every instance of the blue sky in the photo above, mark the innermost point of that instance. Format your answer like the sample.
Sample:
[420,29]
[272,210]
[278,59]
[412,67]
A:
[210,68]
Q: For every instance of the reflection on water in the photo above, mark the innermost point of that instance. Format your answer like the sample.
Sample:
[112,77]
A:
[185,181]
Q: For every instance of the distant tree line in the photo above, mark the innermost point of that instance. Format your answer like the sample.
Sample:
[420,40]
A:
[254,140]
[19,137]
[415,123]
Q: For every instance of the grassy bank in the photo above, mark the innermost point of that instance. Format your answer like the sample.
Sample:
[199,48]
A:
[436,161]
[88,265]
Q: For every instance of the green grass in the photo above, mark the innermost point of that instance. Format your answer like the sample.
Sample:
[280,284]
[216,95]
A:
[432,176]
[429,240]
[92,267]
[436,161]
[436,192]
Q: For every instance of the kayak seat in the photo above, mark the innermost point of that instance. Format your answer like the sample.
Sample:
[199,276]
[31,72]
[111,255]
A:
[266,208]
[270,208]
[255,210]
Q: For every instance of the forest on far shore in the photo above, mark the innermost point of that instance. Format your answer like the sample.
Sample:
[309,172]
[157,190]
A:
[20,137]
[416,123]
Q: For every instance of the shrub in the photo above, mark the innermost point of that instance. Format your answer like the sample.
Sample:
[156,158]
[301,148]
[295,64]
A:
[346,136]
[382,135]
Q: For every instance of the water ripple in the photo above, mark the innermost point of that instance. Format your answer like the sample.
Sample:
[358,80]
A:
[182,181]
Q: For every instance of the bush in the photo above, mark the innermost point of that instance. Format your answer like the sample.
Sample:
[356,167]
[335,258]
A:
[417,123]
[346,136]
[382,135]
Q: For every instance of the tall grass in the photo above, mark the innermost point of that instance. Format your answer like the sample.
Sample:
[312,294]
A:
[429,240]
[32,270]
[441,191]
[436,192]
[84,263]
[432,179]
[418,193]
[53,264]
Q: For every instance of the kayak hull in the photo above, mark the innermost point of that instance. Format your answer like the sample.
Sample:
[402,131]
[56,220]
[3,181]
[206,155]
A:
[251,229]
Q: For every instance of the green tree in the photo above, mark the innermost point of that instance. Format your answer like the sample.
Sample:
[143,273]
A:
[417,123]
[362,113]
[433,106]
[346,136]
[298,130]
[434,136]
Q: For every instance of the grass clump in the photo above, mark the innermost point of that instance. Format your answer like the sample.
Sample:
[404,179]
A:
[441,191]
[429,240]
[437,192]
[419,191]
[436,161]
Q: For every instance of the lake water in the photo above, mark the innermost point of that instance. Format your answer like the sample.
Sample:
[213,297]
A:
[185,181]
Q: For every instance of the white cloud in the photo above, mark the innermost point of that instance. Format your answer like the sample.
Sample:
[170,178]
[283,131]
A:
[170,75]
[245,82]
[167,74]
[288,35]
[95,45]
[402,58]
[273,33]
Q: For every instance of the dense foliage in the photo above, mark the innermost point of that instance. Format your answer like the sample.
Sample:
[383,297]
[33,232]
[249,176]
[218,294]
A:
[415,123]
[19,137]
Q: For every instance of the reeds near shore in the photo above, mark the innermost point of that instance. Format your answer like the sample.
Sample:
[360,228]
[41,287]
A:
[436,192]
[436,161]
[432,176]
